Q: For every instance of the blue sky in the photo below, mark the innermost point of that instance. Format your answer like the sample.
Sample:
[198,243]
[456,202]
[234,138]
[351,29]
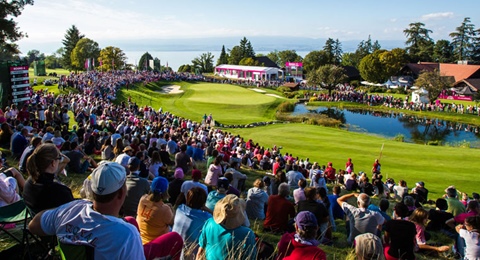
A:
[111,22]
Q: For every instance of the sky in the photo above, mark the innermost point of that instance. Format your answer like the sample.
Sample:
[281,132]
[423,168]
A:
[114,22]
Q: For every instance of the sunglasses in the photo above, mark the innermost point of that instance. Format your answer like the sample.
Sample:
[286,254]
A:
[60,158]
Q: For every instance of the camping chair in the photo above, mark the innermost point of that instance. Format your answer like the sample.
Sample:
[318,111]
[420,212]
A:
[75,252]
[17,213]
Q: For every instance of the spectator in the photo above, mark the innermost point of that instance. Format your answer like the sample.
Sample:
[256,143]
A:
[472,210]
[299,193]
[454,205]
[330,173]
[294,176]
[157,168]
[231,189]
[137,187]
[421,192]
[236,174]
[361,220]
[19,143]
[419,218]
[281,211]
[189,220]
[187,185]
[223,236]
[107,150]
[182,160]
[175,185]
[154,217]
[469,232]
[438,217]
[41,191]
[123,158]
[318,209]
[351,183]
[400,235]
[36,141]
[335,209]
[216,195]
[400,190]
[76,155]
[279,179]
[214,172]
[302,243]
[6,133]
[368,247]
[11,181]
[257,200]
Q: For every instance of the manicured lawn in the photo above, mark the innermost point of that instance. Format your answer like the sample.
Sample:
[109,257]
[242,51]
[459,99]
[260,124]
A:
[228,104]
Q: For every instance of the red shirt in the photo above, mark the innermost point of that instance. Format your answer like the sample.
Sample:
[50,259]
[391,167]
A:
[277,216]
[275,168]
[288,248]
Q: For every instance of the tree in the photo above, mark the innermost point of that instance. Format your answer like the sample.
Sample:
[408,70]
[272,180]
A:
[372,68]
[288,56]
[235,55]
[434,83]
[52,61]
[328,48]
[9,30]
[393,61]
[204,62]
[71,39]
[185,68]
[246,48]
[419,44]
[273,56]
[143,62]
[443,51]
[364,48]
[34,55]
[223,59]
[463,40]
[85,49]
[249,62]
[328,76]
[337,52]
[314,59]
[111,58]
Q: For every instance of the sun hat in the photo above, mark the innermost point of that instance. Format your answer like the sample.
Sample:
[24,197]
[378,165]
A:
[178,173]
[223,183]
[159,185]
[107,178]
[305,219]
[229,212]
[368,246]
[128,148]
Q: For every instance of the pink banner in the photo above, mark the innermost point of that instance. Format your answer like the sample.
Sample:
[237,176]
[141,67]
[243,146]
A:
[296,64]
[455,97]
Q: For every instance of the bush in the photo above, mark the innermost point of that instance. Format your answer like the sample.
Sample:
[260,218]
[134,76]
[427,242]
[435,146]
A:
[399,138]
[286,107]
[284,89]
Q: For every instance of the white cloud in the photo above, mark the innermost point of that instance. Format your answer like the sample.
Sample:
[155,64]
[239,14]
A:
[437,16]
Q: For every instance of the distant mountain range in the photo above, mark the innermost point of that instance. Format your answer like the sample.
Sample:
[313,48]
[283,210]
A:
[259,43]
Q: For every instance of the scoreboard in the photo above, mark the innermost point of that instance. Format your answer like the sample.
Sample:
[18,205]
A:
[20,84]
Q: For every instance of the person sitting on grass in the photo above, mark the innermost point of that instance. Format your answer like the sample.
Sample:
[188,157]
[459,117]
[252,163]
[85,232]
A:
[302,243]
[419,217]
[11,182]
[469,232]
[400,235]
[215,195]
[278,216]
[257,200]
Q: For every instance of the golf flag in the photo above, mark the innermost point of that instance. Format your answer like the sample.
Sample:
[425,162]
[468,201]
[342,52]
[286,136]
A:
[100,63]
[87,63]
[93,62]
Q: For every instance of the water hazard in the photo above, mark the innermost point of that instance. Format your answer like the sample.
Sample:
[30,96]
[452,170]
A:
[392,124]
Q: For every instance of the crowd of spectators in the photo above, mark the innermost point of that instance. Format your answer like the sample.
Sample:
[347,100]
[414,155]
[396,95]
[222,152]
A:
[147,154]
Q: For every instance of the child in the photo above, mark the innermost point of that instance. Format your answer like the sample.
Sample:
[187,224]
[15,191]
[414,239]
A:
[469,231]
[419,217]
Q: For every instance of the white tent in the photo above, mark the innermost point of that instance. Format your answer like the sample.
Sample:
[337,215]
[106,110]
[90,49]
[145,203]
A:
[420,96]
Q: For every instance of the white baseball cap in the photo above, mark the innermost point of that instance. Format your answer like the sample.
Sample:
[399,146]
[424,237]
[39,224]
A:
[107,178]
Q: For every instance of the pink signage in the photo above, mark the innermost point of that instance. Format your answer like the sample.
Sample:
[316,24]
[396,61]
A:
[449,97]
[294,64]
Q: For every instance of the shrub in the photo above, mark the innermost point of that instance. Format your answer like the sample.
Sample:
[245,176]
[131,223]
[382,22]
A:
[284,89]
[286,107]
[399,138]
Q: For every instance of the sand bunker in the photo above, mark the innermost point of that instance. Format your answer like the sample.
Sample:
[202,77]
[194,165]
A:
[258,90]
[171,89]
[274,95]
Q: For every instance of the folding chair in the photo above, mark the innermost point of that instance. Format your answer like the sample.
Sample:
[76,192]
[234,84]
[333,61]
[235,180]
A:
[75,252]
[17,213]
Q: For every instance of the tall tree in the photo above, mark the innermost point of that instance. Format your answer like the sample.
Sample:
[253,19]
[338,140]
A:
[419,43]
[372,68]
[9,30]
[249,62]
[463,40]
[246,48]
[85,49]
[204,63]
[329,50]
[72,36]
[328,76]
[434,83]
[288,56]
[112,58]
[314,59]
[337,52]
[364,48]
[33,55]
[143,63]
[235,55]
[443,51]
[223,59]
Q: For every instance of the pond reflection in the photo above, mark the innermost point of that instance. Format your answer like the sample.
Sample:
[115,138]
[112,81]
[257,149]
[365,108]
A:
[391,124]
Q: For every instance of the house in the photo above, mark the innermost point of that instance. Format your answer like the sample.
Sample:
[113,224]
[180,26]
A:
[248,72]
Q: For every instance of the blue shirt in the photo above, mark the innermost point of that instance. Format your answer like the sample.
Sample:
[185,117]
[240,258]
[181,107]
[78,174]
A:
[335,208]
[189,222]
[212,199]
[220,243]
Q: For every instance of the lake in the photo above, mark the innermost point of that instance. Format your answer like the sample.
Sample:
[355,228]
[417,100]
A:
[391,124]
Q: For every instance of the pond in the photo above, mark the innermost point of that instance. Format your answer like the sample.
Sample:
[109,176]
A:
[392,124]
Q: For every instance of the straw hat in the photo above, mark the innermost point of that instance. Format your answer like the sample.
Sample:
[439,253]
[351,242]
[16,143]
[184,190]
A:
[229,212]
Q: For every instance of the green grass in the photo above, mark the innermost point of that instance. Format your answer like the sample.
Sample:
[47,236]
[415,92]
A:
[228,104]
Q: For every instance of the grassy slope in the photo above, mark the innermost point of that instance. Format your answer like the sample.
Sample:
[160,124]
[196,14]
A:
[239,106]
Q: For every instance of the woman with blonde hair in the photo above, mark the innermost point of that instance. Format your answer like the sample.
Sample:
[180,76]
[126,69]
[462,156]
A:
[118,149]
[41,190]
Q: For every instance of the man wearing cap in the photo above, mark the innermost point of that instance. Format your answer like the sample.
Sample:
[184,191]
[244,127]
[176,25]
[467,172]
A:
[195,182]
[136,188]
[301,244]
[454,205]
[361,220]
[96,224]
[421,192]
[123,158]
